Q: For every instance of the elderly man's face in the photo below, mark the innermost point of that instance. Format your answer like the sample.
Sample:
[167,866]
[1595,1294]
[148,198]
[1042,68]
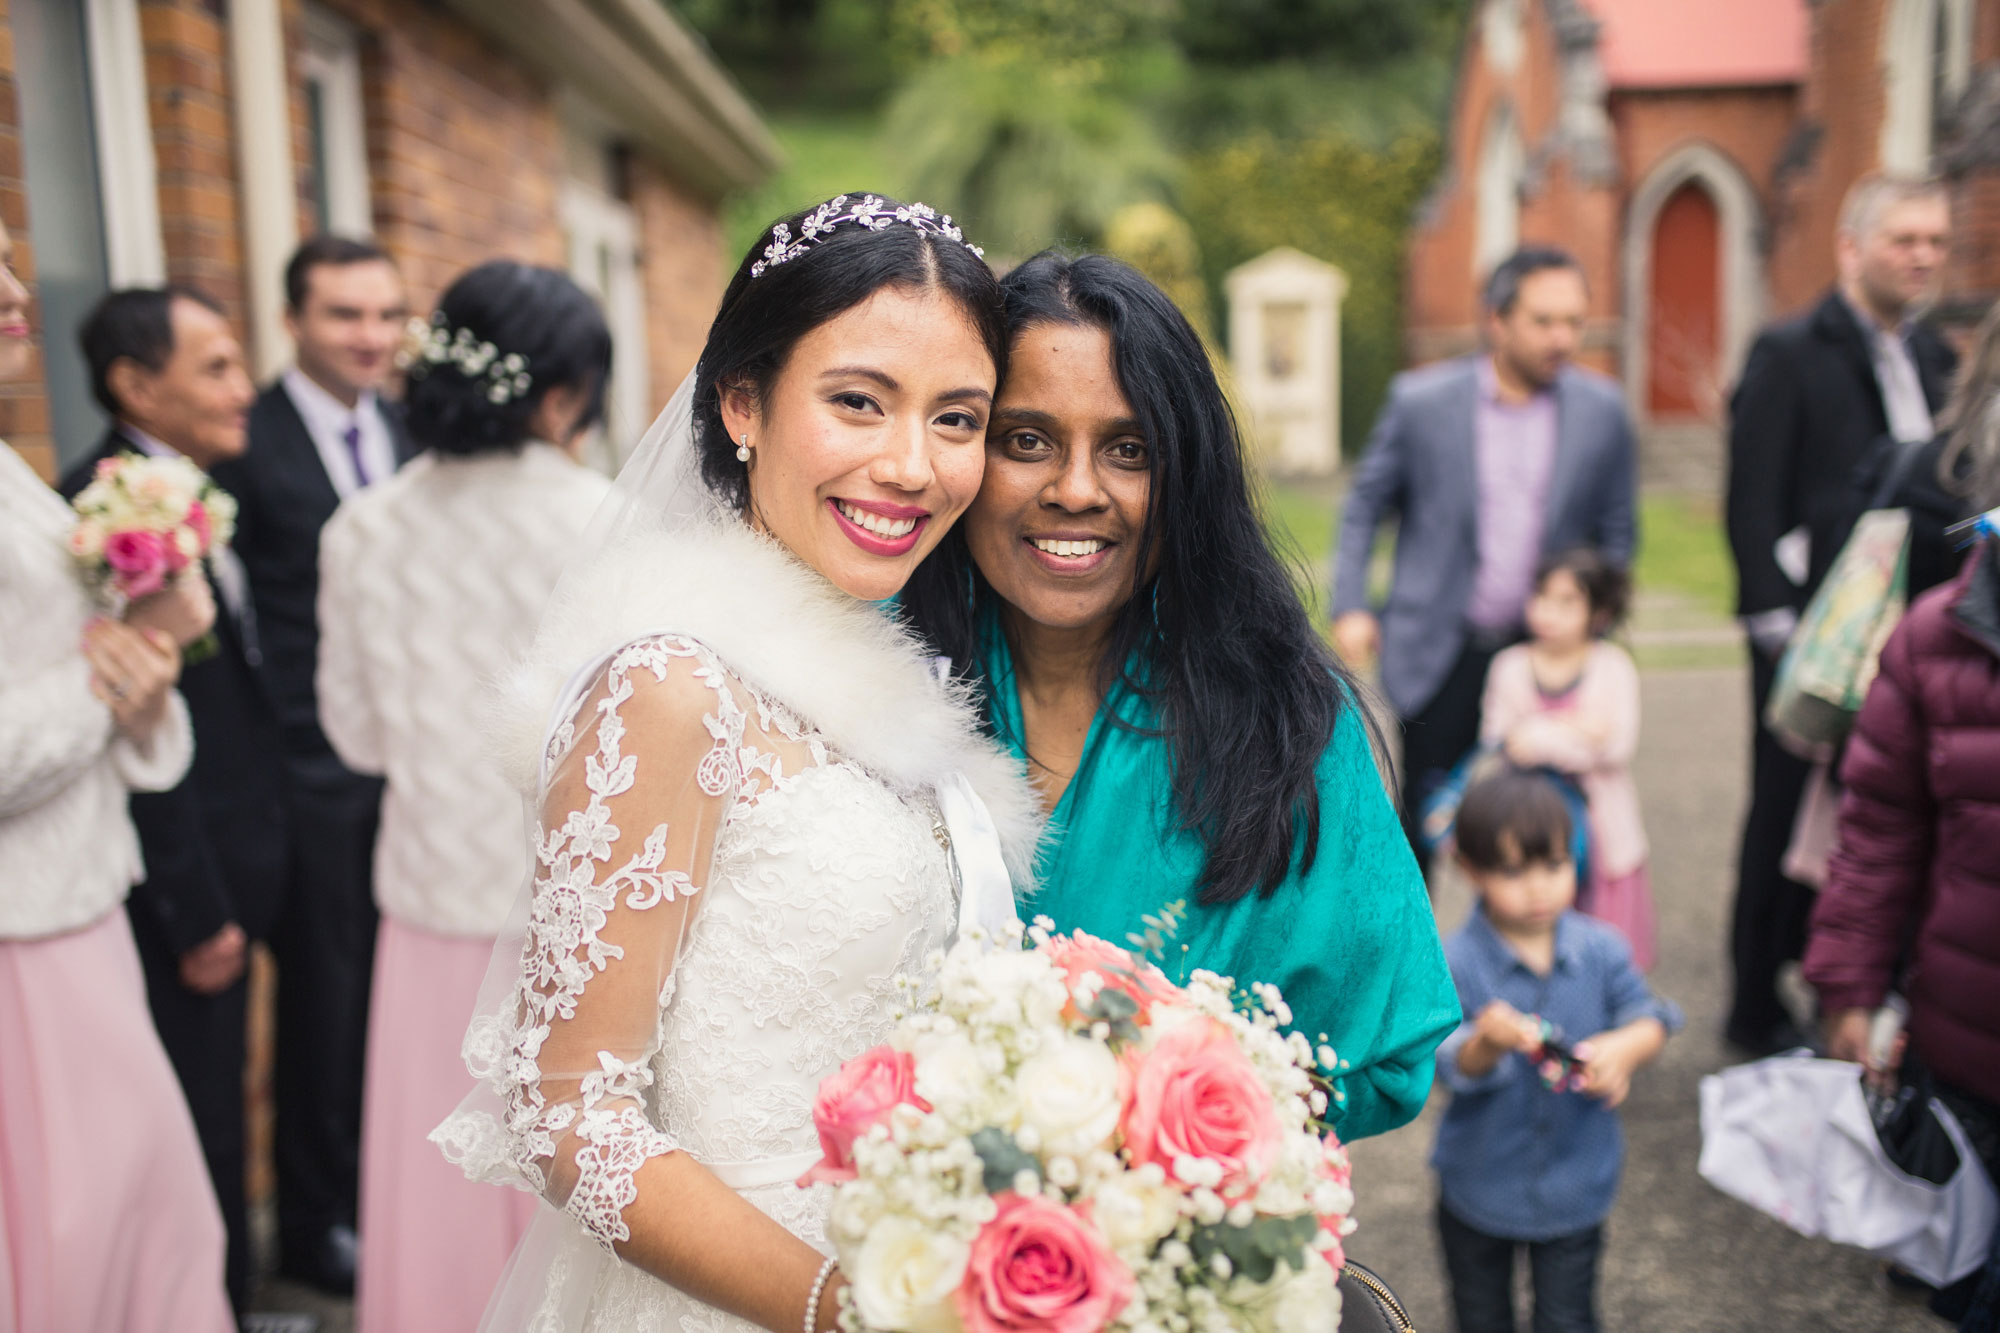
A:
[199,401]
[1894,268]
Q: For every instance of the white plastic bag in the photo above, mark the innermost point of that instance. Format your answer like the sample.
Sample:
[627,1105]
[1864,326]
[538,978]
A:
[1791,1137]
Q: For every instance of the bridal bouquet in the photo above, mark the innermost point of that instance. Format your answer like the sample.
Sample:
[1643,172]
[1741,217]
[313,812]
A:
[1063,1139]
[141,523]
[142,520]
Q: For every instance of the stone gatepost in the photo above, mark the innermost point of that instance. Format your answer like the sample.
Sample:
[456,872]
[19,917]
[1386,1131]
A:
[1284,347]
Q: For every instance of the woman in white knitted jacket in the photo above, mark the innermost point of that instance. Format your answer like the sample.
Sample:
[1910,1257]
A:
[428,584]
[107,1218]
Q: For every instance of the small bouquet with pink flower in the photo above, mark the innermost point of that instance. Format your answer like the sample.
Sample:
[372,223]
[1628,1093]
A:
[1060,1138]
[144,522]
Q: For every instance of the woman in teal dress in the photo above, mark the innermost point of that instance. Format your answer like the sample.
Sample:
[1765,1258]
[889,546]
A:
[1145,652]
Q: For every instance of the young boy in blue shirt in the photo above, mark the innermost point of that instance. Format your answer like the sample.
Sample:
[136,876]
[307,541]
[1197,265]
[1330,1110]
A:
[1530,1149]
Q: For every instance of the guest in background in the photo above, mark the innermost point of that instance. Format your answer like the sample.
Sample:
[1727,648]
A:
[1488,463]
[1568,699]
[107,1220]
[1817,392]
[1912,894]
[317,435]
[166,367]
[1529,1150]
[429,583]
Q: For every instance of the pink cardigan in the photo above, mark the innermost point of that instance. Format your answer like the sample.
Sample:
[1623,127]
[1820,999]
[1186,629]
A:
[1592,732]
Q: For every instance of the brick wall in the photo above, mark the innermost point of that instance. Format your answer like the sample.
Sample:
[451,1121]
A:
[464,147]
[1441,290]
[1749,126]
[681,251]
[188,96]
[466,163]
[24,407]
[1839,140]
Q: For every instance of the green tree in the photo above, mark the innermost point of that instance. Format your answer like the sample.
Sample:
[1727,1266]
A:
[1358,32]
[1029,151]
[1333,197]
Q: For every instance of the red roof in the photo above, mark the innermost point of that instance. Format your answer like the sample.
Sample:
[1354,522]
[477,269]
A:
[1701,43]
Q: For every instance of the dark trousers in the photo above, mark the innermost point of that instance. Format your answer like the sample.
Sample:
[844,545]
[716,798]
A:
[204,1037]
[1481,1268]
[1441,733]
[1768,923]
[325,949]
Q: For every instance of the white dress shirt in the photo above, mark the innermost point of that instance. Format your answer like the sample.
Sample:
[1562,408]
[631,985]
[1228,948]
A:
[1896,375]
[327,420]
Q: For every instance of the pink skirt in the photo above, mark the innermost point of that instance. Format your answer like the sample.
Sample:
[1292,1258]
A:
[433,1243]
[1625,903]
[107,1218]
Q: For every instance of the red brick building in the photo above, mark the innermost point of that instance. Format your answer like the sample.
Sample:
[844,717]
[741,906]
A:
[193,140]
[1693,155]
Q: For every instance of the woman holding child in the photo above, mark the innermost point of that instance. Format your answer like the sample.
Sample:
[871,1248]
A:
[1140,646]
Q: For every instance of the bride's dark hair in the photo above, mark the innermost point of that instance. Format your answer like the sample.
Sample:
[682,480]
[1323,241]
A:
[1247,693]
[762,317]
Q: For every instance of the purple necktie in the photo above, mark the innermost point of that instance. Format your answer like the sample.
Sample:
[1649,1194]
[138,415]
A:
[353,437]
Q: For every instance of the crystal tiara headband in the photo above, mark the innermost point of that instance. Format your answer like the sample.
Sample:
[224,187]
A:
[869,211]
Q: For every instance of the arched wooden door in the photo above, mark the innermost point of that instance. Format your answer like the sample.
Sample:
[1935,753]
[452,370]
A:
[1684,333]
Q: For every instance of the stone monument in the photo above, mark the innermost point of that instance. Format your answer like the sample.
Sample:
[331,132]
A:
[1284,347]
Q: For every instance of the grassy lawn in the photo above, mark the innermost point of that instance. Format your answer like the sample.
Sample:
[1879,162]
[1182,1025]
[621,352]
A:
[1682,550]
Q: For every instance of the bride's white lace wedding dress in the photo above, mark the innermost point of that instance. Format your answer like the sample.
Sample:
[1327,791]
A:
[740,864]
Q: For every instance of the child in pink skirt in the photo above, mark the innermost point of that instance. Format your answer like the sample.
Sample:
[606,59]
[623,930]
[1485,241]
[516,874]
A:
[1569,700]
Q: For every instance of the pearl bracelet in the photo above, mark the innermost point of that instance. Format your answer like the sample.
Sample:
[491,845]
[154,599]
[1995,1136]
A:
[819,1287]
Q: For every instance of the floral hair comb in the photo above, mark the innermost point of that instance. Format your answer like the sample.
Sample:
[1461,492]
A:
[870,211]
[432,342]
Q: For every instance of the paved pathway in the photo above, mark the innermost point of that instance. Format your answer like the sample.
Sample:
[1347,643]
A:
[1679,1256]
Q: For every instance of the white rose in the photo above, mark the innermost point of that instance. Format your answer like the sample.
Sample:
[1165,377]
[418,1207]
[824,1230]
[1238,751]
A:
[1069,1094]
[951,1075]
[1133,1213]
[1164,1019]
[1294,1300]
[904,1274]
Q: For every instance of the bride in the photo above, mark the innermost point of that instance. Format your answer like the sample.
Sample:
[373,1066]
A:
[747,781]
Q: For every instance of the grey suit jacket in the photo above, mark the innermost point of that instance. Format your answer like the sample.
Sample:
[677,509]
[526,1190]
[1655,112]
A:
[1419,467]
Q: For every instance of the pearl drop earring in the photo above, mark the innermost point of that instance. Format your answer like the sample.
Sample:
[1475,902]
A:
[743,448]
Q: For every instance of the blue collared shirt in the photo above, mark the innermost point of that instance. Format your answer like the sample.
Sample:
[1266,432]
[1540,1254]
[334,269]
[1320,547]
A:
[1514,1159]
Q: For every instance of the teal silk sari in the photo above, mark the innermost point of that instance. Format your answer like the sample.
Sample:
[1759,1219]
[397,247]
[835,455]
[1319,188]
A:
[1352,943]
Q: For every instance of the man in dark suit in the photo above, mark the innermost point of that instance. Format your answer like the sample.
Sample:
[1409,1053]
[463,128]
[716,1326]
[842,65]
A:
[316,435]
[1817,393]
[1489,463]
[166,367]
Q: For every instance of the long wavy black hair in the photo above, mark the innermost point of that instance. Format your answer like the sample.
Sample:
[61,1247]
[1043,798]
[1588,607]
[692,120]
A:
[1246,692]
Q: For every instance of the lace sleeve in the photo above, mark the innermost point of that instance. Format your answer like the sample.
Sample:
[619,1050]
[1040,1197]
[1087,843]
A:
[640,780]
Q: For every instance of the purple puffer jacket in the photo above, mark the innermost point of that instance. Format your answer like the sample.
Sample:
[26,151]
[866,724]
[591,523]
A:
[1919,843]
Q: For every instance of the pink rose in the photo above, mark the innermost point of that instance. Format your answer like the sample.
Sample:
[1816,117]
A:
[197,519]
[853,1100]
[1041,1265]
[139,559]
[1195,1094]
[1118,970]
[1335,1169]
